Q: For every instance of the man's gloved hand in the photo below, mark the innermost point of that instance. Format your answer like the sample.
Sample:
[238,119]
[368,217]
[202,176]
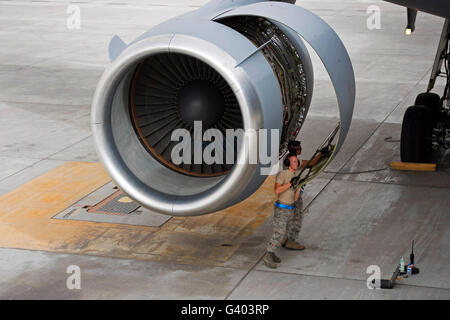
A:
[294,182]
[325,151]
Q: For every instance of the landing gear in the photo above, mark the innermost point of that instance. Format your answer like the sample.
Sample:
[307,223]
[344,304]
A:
[425,128]
[426,125]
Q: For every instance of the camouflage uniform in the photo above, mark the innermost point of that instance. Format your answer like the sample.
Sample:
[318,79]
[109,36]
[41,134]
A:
[287,225]
[295,224]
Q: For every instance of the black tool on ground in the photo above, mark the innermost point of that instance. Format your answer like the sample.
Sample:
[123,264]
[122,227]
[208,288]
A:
[389,283]
[324,147]
[414,270]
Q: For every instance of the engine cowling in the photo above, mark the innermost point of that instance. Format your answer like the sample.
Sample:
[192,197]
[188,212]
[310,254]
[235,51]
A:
[218,65]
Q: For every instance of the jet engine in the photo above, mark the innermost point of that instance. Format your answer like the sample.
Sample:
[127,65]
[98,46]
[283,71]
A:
[229,65]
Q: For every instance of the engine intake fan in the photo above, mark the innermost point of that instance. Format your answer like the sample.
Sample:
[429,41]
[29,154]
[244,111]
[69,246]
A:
[172,91]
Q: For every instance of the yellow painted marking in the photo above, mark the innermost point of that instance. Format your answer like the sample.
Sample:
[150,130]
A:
[125,200]
[408,166]
[26,222]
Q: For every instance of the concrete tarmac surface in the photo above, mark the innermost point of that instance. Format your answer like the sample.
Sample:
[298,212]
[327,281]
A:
[353,219]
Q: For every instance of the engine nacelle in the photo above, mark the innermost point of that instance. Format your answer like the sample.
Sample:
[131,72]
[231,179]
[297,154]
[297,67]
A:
[230,66]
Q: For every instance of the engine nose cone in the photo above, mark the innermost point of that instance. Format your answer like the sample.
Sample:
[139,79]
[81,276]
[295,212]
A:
[201,100]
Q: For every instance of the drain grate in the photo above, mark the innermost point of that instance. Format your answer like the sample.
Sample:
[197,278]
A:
[110,205]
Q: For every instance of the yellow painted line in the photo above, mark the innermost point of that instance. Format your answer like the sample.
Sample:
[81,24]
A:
[409,166]
[26,222]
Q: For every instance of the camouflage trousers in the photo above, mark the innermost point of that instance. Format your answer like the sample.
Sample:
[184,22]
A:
[287,225]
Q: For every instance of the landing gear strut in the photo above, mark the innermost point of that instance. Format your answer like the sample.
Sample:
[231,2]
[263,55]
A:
[426,125]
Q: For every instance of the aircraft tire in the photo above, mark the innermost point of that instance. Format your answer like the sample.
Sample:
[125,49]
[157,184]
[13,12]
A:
[433,102]
[415,142]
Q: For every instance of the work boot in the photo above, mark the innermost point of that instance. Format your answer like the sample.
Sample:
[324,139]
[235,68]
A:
[275,258]
[293,245]
[268,260]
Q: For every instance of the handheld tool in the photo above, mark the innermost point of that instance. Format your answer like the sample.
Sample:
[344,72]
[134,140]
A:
[297,181]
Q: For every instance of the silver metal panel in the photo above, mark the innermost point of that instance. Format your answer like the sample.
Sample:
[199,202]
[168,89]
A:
[216,7]
[116,46]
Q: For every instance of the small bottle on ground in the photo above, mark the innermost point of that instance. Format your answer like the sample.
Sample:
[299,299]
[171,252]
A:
[402,265]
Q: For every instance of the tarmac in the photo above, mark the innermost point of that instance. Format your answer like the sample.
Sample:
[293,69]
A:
[358,213]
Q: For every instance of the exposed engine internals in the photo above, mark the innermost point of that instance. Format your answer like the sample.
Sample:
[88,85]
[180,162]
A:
[287,66]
